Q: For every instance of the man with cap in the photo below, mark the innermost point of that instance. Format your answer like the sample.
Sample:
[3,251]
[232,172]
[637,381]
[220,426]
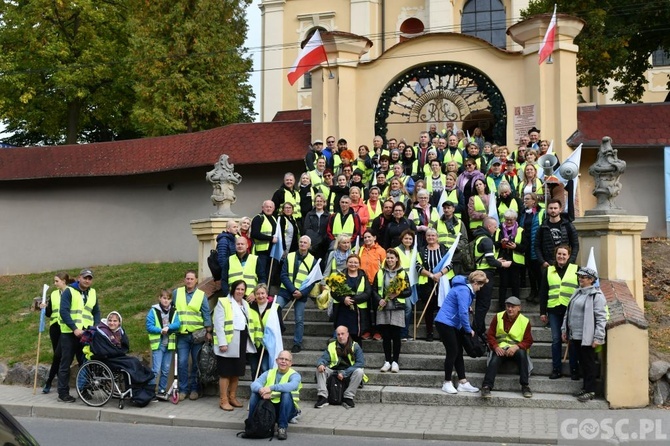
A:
[78,311]
[584,327]
[495,175]
[313,154]
[509,338]
[448,227]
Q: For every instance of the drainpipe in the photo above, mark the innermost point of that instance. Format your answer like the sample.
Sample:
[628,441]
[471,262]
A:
[383,26]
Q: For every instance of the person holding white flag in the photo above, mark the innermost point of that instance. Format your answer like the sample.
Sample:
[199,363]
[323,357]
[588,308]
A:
[51,307]
[295,270]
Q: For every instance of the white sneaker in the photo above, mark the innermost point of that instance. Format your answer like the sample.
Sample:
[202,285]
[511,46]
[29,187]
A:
[448,387]
[386,367]
[394,367]
[467,387]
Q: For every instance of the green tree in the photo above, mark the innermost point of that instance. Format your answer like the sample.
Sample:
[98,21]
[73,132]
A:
[189,69]
[616,42]
[62,77]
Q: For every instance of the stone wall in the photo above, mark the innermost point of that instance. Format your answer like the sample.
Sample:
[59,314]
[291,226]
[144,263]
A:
[659,383]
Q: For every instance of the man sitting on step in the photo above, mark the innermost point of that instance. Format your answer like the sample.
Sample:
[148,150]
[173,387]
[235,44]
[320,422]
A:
[509,338]
[345,357]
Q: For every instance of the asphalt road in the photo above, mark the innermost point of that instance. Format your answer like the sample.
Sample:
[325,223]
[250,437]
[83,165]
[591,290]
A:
[50,432]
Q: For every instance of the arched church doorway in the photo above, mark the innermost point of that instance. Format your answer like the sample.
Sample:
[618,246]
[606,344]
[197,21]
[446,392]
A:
[441,94]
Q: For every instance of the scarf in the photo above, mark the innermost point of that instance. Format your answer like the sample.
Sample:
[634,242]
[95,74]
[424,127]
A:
[510,233]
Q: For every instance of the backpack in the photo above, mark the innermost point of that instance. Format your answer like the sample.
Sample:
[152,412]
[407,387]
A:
[207,372]
[468,257]
[213,263]
[474,346]
[261,423]
[335,389]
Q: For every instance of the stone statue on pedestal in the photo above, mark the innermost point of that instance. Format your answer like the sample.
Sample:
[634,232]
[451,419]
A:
[606,171]
[223,180]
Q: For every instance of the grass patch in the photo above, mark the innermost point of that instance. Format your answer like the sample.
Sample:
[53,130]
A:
[130,289]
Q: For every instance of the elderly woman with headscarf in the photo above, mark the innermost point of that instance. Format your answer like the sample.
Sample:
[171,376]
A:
[584,328]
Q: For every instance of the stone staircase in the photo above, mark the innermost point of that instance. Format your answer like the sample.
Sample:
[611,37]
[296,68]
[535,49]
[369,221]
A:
[422,369]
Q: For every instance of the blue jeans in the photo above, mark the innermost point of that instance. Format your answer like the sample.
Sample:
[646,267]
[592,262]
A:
[253,359]
[404,331]
[299,311]
[161,359]
[555,316]
[185,347]
[285,408]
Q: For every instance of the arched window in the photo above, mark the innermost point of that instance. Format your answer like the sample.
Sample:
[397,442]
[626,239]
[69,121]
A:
[411,27]
[307,78]
[486,20]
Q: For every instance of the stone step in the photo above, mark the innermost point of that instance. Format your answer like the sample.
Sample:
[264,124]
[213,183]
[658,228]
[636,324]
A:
[434,379]
[542,366]
[326,330]
[538,350]
[435,397]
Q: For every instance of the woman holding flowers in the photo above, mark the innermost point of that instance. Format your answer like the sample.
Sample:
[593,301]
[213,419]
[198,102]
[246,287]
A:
[351,294]
[389,290]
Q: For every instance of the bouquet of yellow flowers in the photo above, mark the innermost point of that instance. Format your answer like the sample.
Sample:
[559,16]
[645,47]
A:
[338,286]
[397,285]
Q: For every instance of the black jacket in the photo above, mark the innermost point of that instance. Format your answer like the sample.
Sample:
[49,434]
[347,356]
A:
[545,244]
[315,228]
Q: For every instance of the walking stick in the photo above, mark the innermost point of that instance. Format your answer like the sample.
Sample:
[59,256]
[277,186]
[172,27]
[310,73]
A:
[272,260]
[426,307]
[39,336]
[414,311]
[565,355]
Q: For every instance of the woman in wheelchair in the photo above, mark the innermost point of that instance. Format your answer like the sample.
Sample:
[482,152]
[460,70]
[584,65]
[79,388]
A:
[109,371]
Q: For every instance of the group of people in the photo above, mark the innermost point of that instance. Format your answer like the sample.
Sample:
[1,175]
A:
[360,219]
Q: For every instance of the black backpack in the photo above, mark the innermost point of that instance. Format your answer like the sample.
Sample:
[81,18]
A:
[474,346]
[336,389]
[261,423]
[213,263]
[207,372]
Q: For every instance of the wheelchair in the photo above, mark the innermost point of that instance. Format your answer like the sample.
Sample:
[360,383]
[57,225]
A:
[97,384]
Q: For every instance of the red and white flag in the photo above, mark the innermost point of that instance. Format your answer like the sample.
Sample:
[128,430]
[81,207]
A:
[312,55]
[547,45]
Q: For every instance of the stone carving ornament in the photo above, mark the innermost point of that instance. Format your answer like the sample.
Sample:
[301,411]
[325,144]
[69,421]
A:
[606,171]
[223,179]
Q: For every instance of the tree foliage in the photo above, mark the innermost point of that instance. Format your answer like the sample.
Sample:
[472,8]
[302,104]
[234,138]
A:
[61,76]
[97,70]
[616,42]
[188,65]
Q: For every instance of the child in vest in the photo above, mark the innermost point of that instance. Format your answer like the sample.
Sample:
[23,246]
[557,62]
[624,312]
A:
[162,323]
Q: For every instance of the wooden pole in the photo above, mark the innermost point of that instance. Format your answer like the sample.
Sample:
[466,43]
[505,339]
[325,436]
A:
[567,347]
[287,310]
[272,259]
[426,307]
[260,361]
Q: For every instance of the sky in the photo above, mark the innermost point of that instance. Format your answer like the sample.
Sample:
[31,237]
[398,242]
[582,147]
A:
[253,44]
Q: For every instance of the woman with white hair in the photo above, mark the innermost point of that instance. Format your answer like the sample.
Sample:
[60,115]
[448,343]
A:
[513,245]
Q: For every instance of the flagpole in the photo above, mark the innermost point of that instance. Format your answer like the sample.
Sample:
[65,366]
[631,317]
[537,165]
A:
[37,360]
[45,287]
[287,310]
[260,362]
[272,260]
[426,307]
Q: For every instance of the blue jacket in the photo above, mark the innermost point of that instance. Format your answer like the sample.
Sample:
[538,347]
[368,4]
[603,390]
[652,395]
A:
[455,311]
[225,247]
[150,321]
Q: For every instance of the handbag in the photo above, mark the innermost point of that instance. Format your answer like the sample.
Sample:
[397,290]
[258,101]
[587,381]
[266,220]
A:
[474,346]
[199,336]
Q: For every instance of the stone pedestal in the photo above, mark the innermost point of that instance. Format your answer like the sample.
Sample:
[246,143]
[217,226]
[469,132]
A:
[206,230]
[617,247]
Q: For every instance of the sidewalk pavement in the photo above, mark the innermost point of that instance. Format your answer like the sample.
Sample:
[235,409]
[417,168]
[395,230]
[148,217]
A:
[455,423]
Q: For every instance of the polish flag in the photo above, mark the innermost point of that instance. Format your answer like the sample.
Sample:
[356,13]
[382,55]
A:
[310,56]
[547,46]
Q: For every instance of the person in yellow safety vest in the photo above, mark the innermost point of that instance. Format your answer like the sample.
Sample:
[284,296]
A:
[513,243]
[424,216]
[287,194]
[453,153]
[281,385]
[478,203]
[294,272]
[494,178]
[343,357]
[51,309]
[506,200]
[263,228]
[405,180]
[557,285]
[78,311]
[242,266]
[584,326]
[509,338]
[262,309]
[486,258]
[364,163]
[448,227]
[162,324]
[234,340]
[193,308]
[344,222]
[352,309]
[316,176]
